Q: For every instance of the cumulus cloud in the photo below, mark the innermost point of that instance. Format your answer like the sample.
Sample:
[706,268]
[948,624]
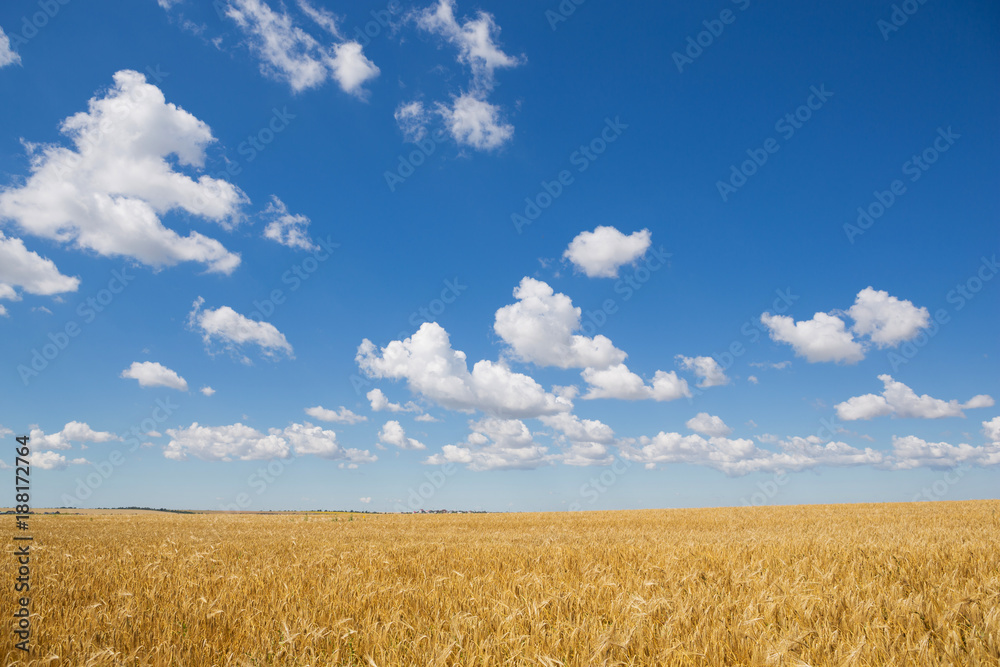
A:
[898,400]
[470,118]
[73,431]
[53,461]
[339,416]
[290,54]
[392,433]
[245,443]
[707,424]
[913,452]
[434,370]
[153,374]
[741,456]
[475,122]
[888,321]
[107,196]
[991,429]
[475,40]
[706,368]
[380,403]
[207,391]
[233,331]
[600,253]
[7,54]
[287,229]
[823,338]
[621,383]
[495,444]
[584,442]
[539,329]
[365,499]
[309,439]
[20,267]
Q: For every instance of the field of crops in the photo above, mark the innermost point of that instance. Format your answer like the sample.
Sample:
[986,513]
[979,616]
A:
[901,584]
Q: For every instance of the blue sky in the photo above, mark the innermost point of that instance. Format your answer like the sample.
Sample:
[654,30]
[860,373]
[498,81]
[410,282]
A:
[540,256]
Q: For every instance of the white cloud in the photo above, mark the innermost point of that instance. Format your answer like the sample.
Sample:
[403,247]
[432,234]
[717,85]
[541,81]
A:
[224,443]
[764,364]
[434,370]
[20,267]
[474,40]
[707,424]
[7,54]
[584,442]
[207,391]
[351,68]
[285,228]
[380,403]
[706,368]
[412,120]
[290,54]
[392,433]
[234,330]
[475,122]
[823,338]
[621,383]
[899,400]
[73,431]
[600,253]
[153,374]
[365,499]
[913,452]
[3,311]
[340,416]
[426,418]
[108,194]
[309,439]
[752,379]
[53,461]
[539,329]
[742,456]
[322,17]
[991,429]
[888,321]
[495,444]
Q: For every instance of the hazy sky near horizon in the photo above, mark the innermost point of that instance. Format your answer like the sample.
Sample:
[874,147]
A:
[501,256]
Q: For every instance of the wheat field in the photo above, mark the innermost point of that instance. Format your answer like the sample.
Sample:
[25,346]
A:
[893,584]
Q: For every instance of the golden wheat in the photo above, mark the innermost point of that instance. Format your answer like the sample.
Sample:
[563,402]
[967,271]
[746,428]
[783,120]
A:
[901,584]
